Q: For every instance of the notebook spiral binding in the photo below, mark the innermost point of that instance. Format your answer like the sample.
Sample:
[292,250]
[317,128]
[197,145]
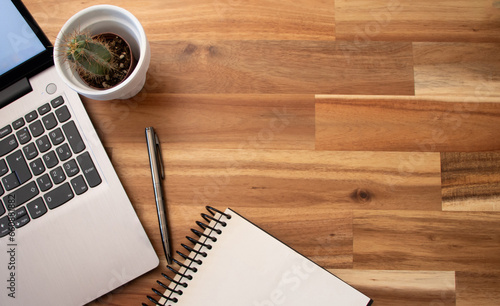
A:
[188,260]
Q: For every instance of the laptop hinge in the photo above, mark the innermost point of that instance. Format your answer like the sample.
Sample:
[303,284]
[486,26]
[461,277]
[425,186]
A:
[15,91]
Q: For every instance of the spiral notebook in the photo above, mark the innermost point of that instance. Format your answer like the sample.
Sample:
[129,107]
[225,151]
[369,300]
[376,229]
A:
[234,262]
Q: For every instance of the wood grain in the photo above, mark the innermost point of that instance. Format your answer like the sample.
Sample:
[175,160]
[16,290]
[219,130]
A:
[406,124]
[243,20]
[282,67]
[209,121]
[457,69]
[477,288]
[426,20]
[393,287]
[471,181]
[211,19]
[449,241]
[285,178]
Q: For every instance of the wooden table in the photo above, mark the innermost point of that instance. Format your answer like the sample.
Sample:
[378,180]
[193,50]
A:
[364,134]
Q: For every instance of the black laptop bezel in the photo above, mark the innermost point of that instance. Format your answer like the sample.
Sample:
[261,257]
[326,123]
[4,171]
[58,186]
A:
[35,64]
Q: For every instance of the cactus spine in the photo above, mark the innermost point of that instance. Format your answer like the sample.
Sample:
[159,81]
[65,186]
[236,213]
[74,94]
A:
[90,56]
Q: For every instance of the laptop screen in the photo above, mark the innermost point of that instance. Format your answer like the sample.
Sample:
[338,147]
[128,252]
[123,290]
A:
[20,42]
[24,48]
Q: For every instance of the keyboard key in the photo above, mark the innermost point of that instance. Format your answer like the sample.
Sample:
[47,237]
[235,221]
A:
[36,208]
[36,128]
[23,135]
[73,136]
[3,167]
[43,144]
[63,152]
[18,123]
[37,166]
[5,131]
[58,196]
[4,226]
[22,221]
[57,102]
[10,181]
[49,121]
[31,116]
[18,164]
[57,175]
[79,185]
[56,136]
[42,110]
[21,195]
[21,217]
[18,213]
[30,151]
[71,168]
[44,182]
[50,159]
[63,114]
[88,169]
[7,145]
[1,193]
[2,208]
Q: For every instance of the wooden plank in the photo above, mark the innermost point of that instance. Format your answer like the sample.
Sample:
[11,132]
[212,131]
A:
[415,124]
[359,20]
[208,121]
[284,178]
[425,20]
[282,67]
[388,287]
[233,19]
[469,70]
[420,240]
[471,181]
[478,288]
[211,19]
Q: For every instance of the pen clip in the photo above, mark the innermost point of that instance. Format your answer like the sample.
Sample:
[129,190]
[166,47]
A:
[159,157]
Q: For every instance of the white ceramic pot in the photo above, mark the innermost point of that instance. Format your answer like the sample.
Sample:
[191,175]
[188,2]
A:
[99,19]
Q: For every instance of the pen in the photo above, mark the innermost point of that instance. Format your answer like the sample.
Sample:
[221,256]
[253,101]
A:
[158,174]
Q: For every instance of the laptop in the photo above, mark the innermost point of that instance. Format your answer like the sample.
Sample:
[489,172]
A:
[68,232]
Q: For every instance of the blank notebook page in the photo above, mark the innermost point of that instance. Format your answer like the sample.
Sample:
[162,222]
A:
[247,266]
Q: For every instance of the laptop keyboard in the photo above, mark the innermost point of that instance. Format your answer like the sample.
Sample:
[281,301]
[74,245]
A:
[43,165]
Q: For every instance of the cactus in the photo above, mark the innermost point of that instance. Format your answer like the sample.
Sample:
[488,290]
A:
[90,56]
[102,61]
